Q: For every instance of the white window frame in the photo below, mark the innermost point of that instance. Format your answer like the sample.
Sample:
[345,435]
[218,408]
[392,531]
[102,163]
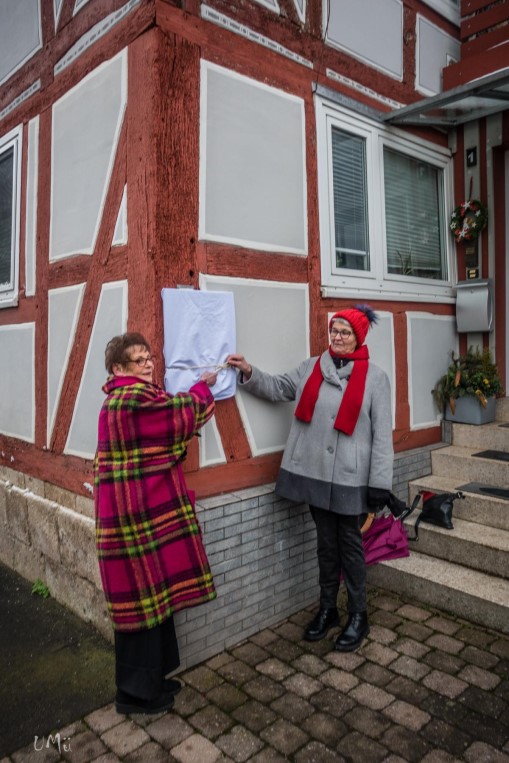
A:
[9,292]
[377,282]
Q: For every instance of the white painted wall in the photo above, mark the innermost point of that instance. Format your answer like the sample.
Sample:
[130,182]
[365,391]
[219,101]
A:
[110,320]
[17,381]
[430,341]
[272,325]
[20,34]
[252,164]
[86,127]
[434,50]
[63,312]
[370,30]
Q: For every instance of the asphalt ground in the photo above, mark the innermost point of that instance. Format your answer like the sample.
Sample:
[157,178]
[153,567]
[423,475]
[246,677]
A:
[54,667]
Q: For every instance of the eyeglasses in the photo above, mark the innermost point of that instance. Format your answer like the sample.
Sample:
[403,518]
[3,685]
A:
[345,333]
[141,362]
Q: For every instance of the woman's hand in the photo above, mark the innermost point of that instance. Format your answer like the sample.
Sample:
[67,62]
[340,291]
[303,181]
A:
[209,377]
[239,362]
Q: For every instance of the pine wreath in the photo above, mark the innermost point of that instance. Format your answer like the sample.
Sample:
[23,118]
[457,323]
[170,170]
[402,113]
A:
[468,220]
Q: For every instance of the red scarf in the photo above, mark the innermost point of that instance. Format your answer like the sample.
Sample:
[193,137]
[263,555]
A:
[350,407]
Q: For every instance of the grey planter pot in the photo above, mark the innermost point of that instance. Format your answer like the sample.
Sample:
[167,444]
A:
[470,411]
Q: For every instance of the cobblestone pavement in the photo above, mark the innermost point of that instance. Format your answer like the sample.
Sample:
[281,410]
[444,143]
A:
[425,687]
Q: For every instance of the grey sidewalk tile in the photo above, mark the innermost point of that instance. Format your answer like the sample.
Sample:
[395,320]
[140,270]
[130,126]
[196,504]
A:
[150,752]
[268,755]
[407,666]
[374,674]
[254,716]
[310,664]
[103,719]
[405,743]
[479,752]
[482,701]
[371,696]
[447,737]
[125,738]
[480,657]
[382,635]
[484,679]
[407,715]
[445,643]
[275,669]
[341,680]
[237,672]
[443,625]
[444,684]
[500,647]
[359,747]
[329,701]
[292,708]
[85,747]
[239,744]
[436,756]
[315,751]
[263,689]
[411,648]
[227,697]
[196,749]
[408,690]
[188,701]
[414,630]
[325,728]
[203,679]
[378,653]
[211,722]
[475,636]
[411,612]
[169,730]
[448,663]
[303,685]
[485,729]
[367,721]
[284,736]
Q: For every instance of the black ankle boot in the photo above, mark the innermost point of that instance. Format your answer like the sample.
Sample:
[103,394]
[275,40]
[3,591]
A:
[354,632]
[320,624]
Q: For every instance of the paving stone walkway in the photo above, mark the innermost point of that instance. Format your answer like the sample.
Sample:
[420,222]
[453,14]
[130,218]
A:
[425,687]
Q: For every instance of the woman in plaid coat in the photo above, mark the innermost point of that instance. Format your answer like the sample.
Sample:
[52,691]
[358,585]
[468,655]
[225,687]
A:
[151,556]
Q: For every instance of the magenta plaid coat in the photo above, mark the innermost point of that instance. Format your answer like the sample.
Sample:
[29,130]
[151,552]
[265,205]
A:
[151,556]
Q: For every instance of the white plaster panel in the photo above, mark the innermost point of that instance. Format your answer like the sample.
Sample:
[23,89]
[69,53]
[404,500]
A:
[63,312]
[272,325]
[435,49]
[272,4]
[57,7]
[252,164]
[120,233]
[431,338]
[86,126]
[110,320]
[378,44]
[211,447]
[17,381]
[20,34]
[31,206]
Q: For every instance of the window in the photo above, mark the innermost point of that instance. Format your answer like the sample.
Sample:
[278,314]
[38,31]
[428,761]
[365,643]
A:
[9,217]
[383,210]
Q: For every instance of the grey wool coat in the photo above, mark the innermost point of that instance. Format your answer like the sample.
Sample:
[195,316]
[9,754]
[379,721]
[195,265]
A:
[322,466]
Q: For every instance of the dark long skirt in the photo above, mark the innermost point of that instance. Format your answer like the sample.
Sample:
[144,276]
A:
[143,659]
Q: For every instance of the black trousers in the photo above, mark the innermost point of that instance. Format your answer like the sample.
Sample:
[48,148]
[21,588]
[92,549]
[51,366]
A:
[340,551]
[144,658]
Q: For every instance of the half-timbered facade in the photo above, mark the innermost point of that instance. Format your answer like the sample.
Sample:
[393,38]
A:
[258,147]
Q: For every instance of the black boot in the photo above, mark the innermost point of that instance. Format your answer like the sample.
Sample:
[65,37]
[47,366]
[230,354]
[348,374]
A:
[354,632]
[320,624]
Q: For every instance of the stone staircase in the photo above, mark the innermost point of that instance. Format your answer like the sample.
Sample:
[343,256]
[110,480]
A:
[465,570]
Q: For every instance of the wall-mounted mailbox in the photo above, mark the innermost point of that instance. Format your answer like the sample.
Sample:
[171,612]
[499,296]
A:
[474,305]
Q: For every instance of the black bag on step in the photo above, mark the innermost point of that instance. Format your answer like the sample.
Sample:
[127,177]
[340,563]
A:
[436,509]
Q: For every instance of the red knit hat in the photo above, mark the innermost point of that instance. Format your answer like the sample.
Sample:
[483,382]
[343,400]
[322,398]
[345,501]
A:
[360,319]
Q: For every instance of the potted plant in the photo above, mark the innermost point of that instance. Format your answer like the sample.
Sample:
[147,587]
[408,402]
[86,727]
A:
[466,392]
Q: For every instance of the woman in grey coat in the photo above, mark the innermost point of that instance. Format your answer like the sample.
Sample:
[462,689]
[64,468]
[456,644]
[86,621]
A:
[338,458]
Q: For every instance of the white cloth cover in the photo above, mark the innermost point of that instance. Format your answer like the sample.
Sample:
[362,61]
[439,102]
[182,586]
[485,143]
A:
[199,330]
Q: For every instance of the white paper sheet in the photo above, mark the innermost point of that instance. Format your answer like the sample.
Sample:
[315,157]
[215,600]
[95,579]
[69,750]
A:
[199,330]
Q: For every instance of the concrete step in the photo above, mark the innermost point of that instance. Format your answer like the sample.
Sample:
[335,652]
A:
[474,595]
[502,413]
[486,437]
[460,463]
[482,509]
[469,544]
